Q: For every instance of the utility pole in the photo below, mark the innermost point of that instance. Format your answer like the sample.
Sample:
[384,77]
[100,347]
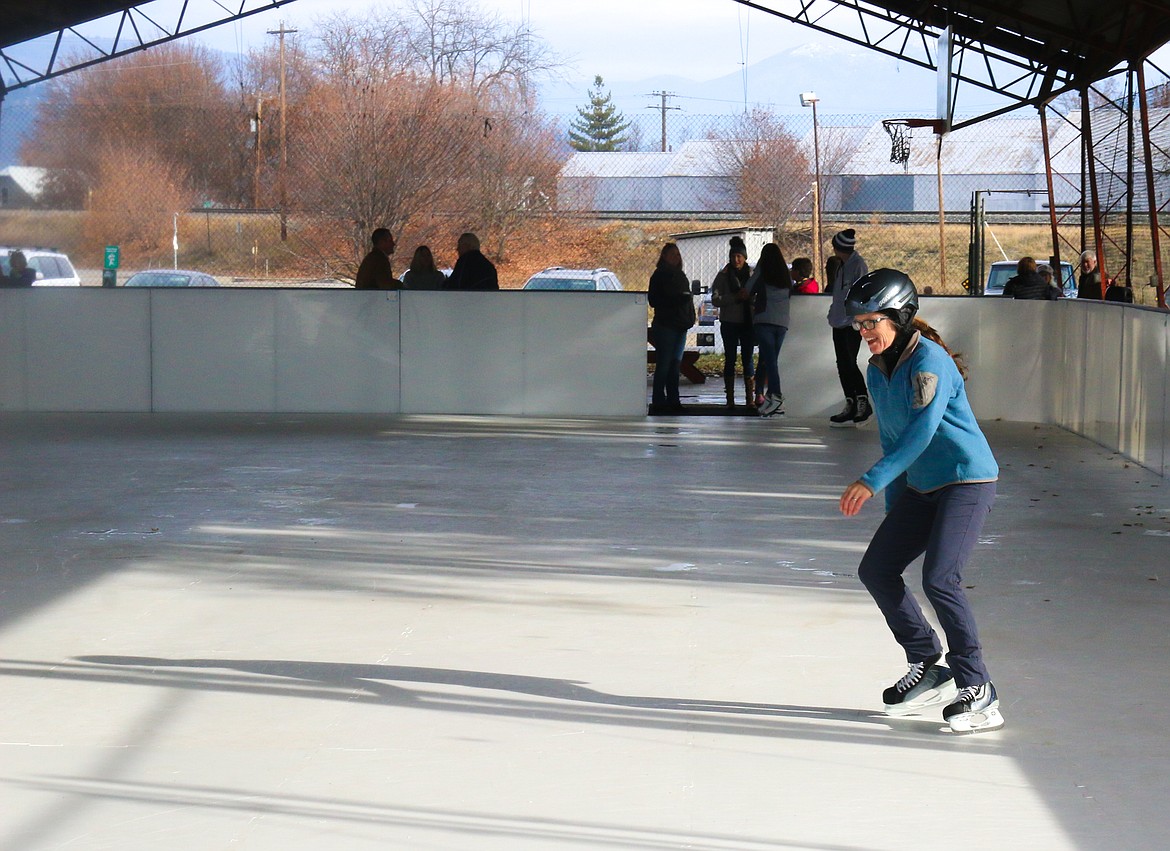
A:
[282,32]
[258,128]
[663,96]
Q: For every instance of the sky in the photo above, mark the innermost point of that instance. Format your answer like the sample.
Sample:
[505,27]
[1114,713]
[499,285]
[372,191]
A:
[627,41]
[624,39]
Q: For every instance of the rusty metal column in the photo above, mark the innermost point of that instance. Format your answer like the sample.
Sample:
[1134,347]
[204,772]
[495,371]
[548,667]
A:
[1130,79]
[1151,196]
[1051,194]
[1090,157]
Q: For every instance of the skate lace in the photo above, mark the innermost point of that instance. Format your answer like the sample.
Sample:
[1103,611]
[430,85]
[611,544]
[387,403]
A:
[967,693]
[912,677]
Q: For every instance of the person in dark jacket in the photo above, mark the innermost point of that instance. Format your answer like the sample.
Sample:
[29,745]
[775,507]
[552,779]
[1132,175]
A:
[1027,283]
[472,270]
[1089,282]
[19,275]
[735,320]
[375,272]
[674,315]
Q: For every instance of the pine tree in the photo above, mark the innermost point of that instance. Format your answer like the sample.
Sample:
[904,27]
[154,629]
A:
[599,126]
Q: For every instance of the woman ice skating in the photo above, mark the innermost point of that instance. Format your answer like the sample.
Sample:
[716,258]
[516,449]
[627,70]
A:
[939,476]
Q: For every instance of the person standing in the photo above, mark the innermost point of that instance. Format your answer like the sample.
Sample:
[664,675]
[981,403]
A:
[472,270]
[375,273]
[674,315]
[846,341]
[1089,281]
[803,282]
[19,273]
[730,295]
[1028,283]
[422,274]
[939,475]
[770,287]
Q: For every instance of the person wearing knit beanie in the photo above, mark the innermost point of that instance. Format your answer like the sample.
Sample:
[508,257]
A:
[847,341]
[845,240]
[728,293]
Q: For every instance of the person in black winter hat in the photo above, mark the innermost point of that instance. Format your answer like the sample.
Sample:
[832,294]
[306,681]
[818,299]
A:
[846,341]
[730,295]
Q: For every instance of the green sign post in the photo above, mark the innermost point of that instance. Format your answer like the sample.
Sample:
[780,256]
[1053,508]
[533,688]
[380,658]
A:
[110,260]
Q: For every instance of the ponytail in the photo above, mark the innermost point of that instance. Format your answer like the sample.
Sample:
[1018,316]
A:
[931,334]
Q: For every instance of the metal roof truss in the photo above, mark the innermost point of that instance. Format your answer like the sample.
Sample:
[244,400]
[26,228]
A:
[118,33]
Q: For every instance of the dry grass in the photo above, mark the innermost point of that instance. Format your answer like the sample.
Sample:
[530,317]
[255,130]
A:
[249,245]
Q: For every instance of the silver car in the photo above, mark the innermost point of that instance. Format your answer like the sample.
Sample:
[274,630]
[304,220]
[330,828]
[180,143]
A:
[574,280]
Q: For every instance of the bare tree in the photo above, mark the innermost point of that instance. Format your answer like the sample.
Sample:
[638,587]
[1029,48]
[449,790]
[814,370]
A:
[455,43]
[772,172]
[517,164]
[373,156]
[136,192]
[170,100]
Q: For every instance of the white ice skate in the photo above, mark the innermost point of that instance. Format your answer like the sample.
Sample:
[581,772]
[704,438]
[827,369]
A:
[975,710]
[926,684]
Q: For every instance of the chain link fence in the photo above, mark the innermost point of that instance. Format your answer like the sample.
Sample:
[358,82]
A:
[677,171]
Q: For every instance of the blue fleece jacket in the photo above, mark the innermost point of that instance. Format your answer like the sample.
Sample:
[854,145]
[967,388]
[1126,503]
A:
[929,435]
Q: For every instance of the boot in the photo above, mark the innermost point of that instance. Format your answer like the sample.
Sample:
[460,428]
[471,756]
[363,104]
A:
[862,411]
[749,389]
[729,388]
[845,418]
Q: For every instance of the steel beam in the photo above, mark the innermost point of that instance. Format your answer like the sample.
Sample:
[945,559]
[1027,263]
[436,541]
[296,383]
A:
[133,29]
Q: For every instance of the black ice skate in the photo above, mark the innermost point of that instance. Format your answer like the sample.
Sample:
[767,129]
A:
[975,710]
[926,684]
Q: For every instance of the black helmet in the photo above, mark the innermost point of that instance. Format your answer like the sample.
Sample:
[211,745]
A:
[883,290]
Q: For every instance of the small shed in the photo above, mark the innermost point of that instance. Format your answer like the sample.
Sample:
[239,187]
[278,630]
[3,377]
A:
[704,252]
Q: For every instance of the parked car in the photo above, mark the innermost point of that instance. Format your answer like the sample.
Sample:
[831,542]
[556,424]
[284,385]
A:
[1002,270]
[171,278]
[52,267]
[576,280]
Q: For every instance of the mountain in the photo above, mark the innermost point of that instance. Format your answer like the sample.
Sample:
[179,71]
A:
[18,110]
[17,113]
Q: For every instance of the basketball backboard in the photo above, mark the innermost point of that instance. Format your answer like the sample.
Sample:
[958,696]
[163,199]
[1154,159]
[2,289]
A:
[943,59]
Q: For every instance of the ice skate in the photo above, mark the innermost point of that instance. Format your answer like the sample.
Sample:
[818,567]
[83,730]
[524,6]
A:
[926,684]
[773,404]
[845,418]
[975,710]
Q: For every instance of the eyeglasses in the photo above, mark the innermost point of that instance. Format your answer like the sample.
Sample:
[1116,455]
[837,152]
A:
[868,324]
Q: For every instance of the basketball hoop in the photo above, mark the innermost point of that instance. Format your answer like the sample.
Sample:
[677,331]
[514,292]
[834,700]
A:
[899,130]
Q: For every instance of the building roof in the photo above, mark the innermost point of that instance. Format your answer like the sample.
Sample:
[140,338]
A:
[28,179]
[1004,145]
[696,158]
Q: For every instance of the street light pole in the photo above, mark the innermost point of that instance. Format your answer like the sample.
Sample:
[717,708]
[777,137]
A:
[810,99]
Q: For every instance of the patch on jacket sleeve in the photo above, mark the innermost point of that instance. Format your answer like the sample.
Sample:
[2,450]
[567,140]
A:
[925,386]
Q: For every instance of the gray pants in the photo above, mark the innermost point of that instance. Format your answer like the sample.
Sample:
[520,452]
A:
[945,526]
